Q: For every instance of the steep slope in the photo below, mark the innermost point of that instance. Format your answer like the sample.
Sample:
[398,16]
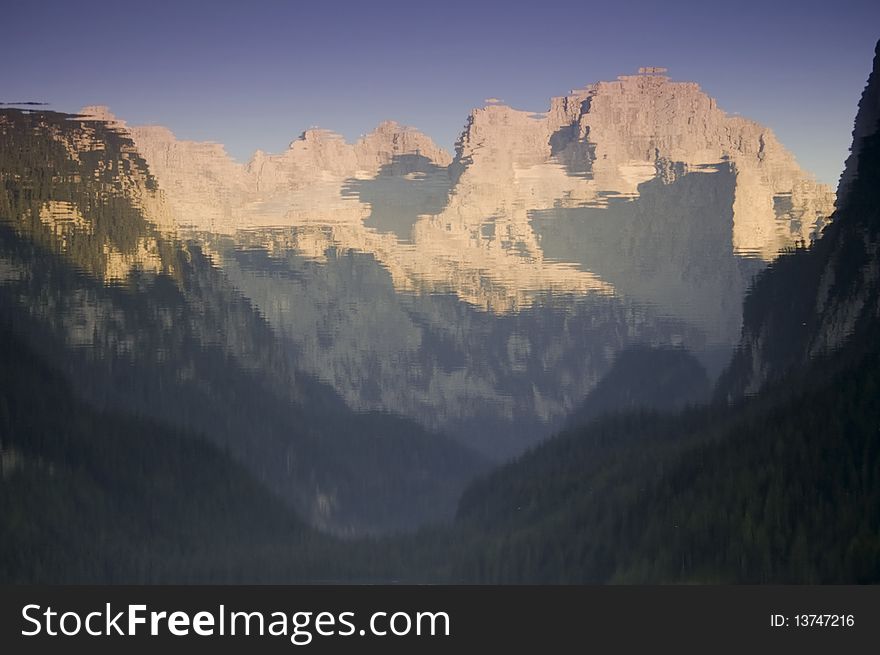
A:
[208,191]
[812,301]
[633,211]
[646,378]
[526,190]
[676,202]
[143,322]
[611,137]
[780,486]
[89,496]
[865,126]
[783,489]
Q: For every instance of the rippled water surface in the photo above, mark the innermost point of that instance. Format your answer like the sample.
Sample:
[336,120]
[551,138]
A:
[482,293]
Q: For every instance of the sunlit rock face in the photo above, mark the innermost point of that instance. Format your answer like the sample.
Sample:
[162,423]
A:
[140,321]
[632,211]
[323,155]
[645,183]
[208,190]
[91,237]
[604,141]
[203,186]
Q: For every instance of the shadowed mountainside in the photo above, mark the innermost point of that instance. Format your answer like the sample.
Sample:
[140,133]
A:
[141,322]
[779,485]
[637,204]
[776,481]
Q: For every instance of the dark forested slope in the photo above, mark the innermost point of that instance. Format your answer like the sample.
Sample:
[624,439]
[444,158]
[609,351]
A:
[140,322]
[777,481]
[90,496]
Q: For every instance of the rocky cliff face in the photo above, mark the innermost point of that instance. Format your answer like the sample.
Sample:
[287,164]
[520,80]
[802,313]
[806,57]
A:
[471,218]
[208,191]
[613,136]
[324,155]
[643,182]
[812,302]
[631,211]
[203,186]
[498,381]
[143,322]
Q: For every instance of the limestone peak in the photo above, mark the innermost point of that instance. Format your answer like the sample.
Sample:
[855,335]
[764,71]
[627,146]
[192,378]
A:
[100,113]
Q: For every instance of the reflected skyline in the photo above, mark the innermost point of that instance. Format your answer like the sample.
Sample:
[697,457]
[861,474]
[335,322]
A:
[466,224]
[348,67]
[456,293]
[482,293]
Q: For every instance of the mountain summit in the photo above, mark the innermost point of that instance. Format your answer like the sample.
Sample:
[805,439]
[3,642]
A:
[639,200]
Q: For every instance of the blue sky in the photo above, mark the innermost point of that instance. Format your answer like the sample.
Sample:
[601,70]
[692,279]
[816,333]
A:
[255,74]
